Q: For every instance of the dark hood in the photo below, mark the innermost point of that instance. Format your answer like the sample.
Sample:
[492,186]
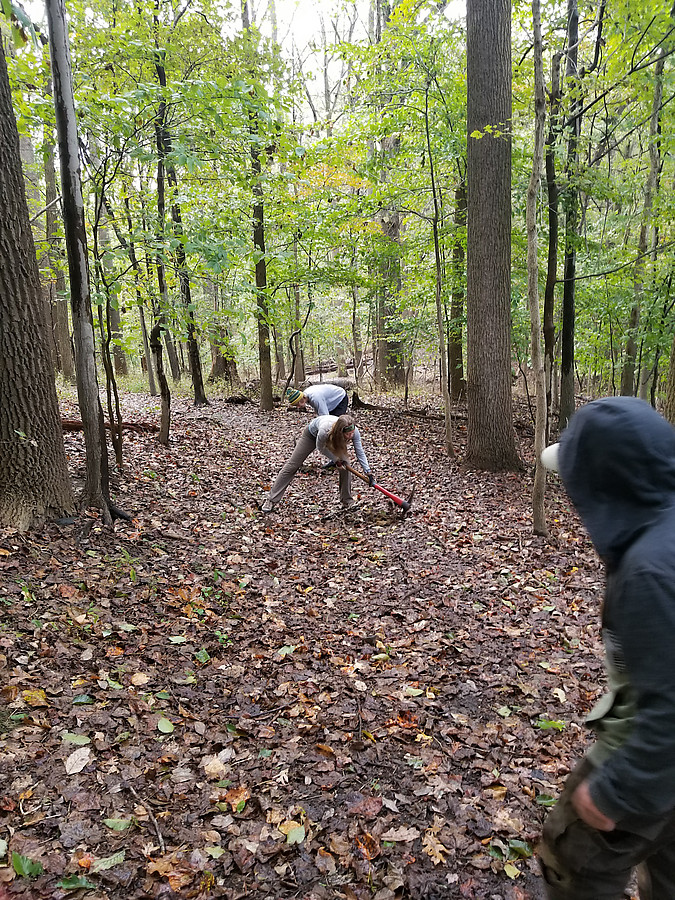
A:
[617,462]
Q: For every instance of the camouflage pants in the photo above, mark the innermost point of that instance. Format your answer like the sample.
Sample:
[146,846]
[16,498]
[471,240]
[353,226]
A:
[580,863]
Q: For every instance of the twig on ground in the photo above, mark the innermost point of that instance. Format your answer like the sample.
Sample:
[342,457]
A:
[134,793]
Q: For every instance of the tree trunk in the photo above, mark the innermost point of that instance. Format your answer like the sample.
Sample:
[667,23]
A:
[96,490]
[553,193]
[571,203]
[490,436]
[669,399]
[262,305]
[455,350]
[440,318]
[34,481]
[539,486]
[165,393]
[64,348]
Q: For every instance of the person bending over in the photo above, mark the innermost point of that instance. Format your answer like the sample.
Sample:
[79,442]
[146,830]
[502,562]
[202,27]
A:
[325,399]
[331,436]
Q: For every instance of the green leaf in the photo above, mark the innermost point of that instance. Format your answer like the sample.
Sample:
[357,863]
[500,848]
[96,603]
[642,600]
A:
[519,849]
[25,867]
[202,656]
[117,824]
[79,740]
[108,862]
[165,726]
[83,700]
[545,723]
[177,639]
[296,835]
[215,851]
[284,651]
[545,800]
[75,882]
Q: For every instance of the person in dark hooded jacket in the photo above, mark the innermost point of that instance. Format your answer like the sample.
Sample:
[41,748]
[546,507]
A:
[617,811]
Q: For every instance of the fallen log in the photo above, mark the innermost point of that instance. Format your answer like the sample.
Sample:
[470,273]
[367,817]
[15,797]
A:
[140,427]
[358,403]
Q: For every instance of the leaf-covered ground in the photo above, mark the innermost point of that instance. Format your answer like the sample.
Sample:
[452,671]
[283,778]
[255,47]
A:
[210,702]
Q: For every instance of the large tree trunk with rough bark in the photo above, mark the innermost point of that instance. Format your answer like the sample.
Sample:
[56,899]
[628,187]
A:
[490,436]
[34,482]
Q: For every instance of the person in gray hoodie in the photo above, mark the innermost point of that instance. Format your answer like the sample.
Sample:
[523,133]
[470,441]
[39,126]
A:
[617,810]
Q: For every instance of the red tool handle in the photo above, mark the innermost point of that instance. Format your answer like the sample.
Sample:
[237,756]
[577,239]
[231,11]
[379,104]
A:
[398,500]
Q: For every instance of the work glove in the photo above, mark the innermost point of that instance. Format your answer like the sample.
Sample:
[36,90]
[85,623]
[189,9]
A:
[371,479]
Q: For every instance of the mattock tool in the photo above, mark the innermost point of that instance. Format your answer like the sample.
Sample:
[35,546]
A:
[399,501]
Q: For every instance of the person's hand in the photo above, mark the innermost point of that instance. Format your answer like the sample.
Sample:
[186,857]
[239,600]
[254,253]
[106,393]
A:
[371,479]
[340,463]
[588,811]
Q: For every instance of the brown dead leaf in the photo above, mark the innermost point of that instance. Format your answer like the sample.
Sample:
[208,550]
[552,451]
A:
[403,833]
[368,846]
[325,750]
[434,849]
[237,796]
[325,862]
[78,760]
[368,807]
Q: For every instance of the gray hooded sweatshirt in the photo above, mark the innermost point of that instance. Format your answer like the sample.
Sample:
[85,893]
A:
[617,461]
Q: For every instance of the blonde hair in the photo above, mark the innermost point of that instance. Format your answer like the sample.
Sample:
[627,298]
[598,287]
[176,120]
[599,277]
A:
[337,442]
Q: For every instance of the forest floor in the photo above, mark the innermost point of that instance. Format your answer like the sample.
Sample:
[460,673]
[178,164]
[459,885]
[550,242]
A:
[211,702]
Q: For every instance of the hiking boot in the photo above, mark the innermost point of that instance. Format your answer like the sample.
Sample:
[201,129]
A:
[267,506]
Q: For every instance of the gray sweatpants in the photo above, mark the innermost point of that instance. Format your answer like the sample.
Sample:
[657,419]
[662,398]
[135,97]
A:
[306,444]
[580,863]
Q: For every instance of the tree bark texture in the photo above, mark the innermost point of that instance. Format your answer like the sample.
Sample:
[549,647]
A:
[455,350]
[571,203]
[490,435]
[34,481]
[96,483]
